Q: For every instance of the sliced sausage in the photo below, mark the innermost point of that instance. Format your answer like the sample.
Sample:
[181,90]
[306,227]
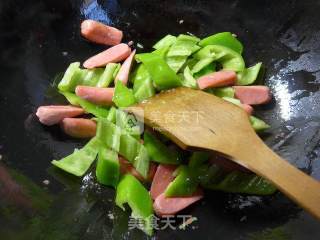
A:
[226,164]
[162,178]
[114,54]
[123,74]
[127,167]
[100,33]
[99,96]
[217,79]
[247,108]
[50,115]
[79,127]
[253,95]
[170,206]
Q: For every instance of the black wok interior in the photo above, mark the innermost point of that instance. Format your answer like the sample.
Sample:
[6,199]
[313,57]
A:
[38,40]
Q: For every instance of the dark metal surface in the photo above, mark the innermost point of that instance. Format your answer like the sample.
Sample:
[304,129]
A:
[38,39]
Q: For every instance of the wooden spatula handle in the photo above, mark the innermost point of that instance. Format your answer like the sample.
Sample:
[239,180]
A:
[298,186]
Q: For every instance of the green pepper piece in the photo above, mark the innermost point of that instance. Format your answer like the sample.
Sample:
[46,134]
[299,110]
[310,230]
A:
[258,125]
[128,147]
[142,84]
[79,161]
[89,107]
[70,78]
[142,161]
[167,41]
[185,183]
[108,169]
[145,91]
[201,64]
[181,50]
[229,59]
[239,182]
[127,124]
[189,38]
[223,92]
[159,152]
[123,96]
[206,70]
[162,52]
[109,134]
[176,62]
[249,75]
[198,158]
[112,115]
[136,153]
[162,75]
[90,77]
[188,79]
[233,100]
[132,192]
[224,39]
[108,75]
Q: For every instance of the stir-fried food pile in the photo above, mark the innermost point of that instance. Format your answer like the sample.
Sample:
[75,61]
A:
[148,171]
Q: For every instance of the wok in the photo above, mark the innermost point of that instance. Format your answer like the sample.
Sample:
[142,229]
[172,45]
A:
[39,39]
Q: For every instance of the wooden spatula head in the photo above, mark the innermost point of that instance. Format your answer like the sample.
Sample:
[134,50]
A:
[193,118]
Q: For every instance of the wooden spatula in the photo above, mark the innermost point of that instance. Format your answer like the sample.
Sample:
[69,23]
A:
[195,119]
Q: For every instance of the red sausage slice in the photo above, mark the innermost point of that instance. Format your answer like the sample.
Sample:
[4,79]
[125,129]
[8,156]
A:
[99,96]
[100,33]
[123,74]
[50,115]
[114,54]
[162,178]
[127,167]
[217,79]
[253,95]
[247,108]
[170,206]
[79,127]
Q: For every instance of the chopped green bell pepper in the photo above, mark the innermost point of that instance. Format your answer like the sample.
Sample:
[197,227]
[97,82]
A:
[112,115]
[90,77]
[123,96]
[229,59]
[198,158]
[109,134]
[206,70]
[167,41]
[159,152]
[88,107]
[79,161]
[223,92]
[258,124]
[233,100]
[70,78]
[108,75]
[201,64]
[142,84]
[239,182]
[224,39]
[188,79]
[108,169]
[162,75]
[127,124]
[181,50]
[132,192]
[136,153]
[185,183]
[249,75]
[189,38]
